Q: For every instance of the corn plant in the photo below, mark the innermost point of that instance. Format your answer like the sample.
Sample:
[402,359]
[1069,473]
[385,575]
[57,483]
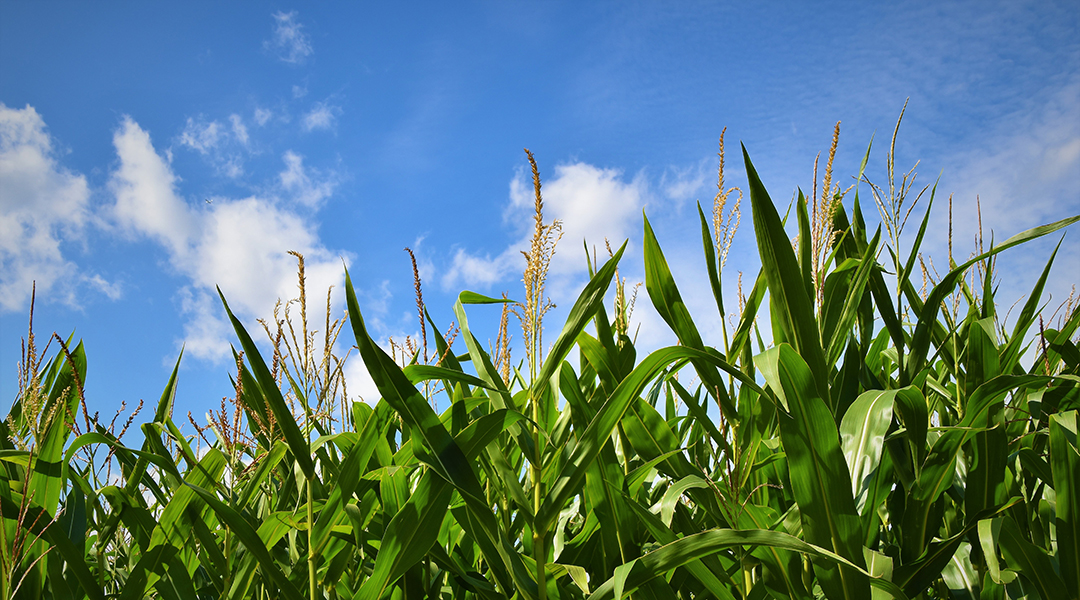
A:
[888,441]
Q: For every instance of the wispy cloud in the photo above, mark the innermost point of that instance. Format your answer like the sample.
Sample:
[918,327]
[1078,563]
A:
[221,145]
[307,186]
[41,204]
[686,183]
[239,129]
[289,41]
[262,115]
[239,245]
[1027,174]
[321,116]
[201,136]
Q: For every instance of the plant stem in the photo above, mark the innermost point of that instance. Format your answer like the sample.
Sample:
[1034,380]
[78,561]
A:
[539,552]
[311,548]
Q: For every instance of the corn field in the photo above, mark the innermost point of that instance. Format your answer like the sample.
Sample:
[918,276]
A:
[888,441]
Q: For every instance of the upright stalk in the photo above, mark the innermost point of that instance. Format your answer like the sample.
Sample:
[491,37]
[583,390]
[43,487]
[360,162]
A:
[539,531]
[311,548]
[537,261]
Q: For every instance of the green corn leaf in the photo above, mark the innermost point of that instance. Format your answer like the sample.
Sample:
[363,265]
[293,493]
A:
[740,340]
[669,303]
[592,440]
[174,525]
[475,438]
[989,533]
[409,535]
[913,254]
[794,308]
[650,437]
[1010,355]
[298,443]
[913,412]
[248,536]
[267,465]
[590,299]
[1065,462]
[916,575]
[421,373]
[838,333]
[600,359]
[700,414]
[443,454]
[38,522]
[150,571]
[675,492]
[694,547]
[352,466]
[820,480]
[805,245]
[927,318]
[57,416]
[862,434]
[711,264]
[938,467]
[665,294]
[1031,561]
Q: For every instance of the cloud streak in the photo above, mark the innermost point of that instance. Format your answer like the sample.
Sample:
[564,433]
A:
[321,116]
[289,42]
[220,144]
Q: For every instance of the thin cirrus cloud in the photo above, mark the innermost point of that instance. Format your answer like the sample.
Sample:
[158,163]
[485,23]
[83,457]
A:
[289,42]
[1027,175]
[224,146]
[238,245]
[321,116]
[307,186]
[42,205]
[1022,176]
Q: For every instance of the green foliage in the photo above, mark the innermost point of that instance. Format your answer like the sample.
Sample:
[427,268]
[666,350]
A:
[887,444]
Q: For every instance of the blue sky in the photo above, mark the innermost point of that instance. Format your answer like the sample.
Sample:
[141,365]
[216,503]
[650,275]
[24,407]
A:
[150,151]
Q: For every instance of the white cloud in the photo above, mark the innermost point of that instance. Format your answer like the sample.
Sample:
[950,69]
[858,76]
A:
[239,130]
[145,190]
[1028,173]
[685,183]
[478,270]
[41,202]
[321,116]
[238,245]
[262,115]
[232,166]
[359,381]
[1025,175]
[593,204]
[289,41]
[307,187]
[220,144]
[299,91]
[206,331]
[201,136]
[112,290]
